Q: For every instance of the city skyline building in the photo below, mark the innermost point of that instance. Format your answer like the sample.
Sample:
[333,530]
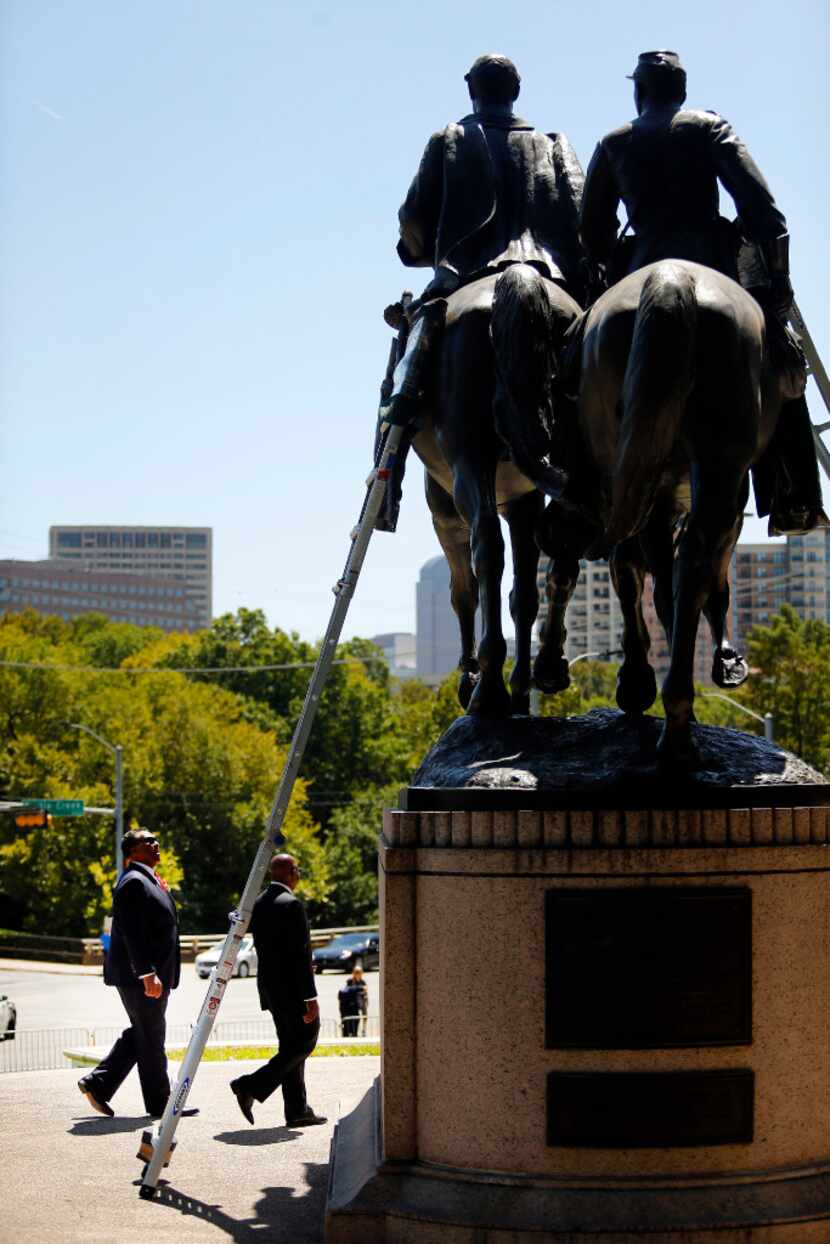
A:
[399,649]
[181,554]
[437,643]
[53,587]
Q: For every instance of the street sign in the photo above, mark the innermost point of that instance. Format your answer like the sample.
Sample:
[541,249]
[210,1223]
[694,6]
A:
[57,807]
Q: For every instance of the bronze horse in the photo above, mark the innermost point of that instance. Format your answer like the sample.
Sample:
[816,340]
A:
[678,399]
[484,440]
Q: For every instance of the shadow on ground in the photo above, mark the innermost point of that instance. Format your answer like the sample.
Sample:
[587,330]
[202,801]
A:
[260,1136]
[107,1127]
[280,1215]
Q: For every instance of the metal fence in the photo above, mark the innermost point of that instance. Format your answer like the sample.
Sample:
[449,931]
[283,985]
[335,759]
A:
[44,1049]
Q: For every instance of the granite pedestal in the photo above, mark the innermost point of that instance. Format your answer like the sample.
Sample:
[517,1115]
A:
[599,1024]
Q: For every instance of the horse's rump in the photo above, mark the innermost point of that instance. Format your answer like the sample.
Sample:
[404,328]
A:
[672,373]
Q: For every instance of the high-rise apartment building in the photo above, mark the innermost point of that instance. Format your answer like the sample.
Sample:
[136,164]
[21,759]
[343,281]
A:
[68,591]
[766,576]
[181,554]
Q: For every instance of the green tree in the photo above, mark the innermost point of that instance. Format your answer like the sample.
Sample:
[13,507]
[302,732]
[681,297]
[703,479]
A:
[790,659]
[195,770]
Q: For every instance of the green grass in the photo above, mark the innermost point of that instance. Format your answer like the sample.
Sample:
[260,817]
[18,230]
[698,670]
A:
[230,1053]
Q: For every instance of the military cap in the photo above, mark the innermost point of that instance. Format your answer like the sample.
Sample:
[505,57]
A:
[655,63]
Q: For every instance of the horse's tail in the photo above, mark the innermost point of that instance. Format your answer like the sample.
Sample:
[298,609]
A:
[522,328]
[658,380]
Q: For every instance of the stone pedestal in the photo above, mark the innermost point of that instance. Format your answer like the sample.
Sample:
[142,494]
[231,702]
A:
[597,1026]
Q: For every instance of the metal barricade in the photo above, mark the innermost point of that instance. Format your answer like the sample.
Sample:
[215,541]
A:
[44,1049]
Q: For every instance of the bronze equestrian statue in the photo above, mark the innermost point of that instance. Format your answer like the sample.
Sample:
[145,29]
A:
[494,209]
[665,166]
[680,393]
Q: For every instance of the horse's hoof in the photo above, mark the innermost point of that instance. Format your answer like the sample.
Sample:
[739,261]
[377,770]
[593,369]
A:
[551,676]
[729,669]
[489,700]
[636,689]
[466,686]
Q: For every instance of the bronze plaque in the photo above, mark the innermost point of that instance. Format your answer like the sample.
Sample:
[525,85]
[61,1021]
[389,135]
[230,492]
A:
[648,967]
[650,1110]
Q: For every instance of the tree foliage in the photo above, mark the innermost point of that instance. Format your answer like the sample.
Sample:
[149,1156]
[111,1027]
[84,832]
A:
[202,756]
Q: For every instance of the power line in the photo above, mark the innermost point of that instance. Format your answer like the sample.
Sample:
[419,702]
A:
[185,669]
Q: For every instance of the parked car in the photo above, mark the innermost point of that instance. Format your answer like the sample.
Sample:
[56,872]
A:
[246,961]
[345,952]
[8,1018]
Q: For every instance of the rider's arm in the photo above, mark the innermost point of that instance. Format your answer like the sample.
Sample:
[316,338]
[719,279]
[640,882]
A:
[598,222]
[570,181]
[761,217]
[421,209]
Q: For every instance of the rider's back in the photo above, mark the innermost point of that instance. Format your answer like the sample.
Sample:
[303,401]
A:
[491,191]
[665,165]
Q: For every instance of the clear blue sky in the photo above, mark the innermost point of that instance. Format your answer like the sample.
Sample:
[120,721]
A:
[197,238]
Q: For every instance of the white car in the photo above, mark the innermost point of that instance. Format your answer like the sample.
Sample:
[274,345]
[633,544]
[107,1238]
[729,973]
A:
[8,1018]
[246,962]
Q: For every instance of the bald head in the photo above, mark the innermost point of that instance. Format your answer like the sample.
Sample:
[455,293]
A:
[284,868]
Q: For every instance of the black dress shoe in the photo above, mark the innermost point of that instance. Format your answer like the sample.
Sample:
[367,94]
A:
[189,1113]
[103,1107]
[309,1119]
[245,1100]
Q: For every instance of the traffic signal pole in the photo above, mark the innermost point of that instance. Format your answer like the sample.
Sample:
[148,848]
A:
[119,809]
[156,1148]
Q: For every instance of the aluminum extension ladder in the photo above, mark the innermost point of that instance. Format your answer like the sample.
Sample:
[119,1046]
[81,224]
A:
[156,1147]
[815,368]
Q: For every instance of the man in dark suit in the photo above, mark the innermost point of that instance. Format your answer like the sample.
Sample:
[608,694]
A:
[285,979]
[143,965]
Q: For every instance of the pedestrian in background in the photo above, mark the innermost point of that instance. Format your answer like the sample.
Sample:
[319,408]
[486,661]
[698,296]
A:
[353,1001]
[143,964]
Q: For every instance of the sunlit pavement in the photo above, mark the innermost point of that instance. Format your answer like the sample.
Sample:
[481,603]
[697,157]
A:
[71,1175]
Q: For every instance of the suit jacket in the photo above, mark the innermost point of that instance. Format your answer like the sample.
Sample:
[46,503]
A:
[285,977]
[492,190]
[665,166]
[145,931]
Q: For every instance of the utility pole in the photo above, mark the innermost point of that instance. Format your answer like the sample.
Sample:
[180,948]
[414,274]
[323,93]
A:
[117,751]
[119,809]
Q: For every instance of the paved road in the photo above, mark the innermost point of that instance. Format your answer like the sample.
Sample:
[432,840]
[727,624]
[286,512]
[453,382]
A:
[69,1176]
[65,999]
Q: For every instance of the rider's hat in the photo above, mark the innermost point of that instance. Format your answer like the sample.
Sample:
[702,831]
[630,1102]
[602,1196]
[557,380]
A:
[656,65]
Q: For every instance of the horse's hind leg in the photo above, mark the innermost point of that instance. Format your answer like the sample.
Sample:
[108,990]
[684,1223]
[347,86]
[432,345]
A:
[523,515]
[454,537]
[564,545]
[474,494]
[636,683]
[718,492]
[729,669]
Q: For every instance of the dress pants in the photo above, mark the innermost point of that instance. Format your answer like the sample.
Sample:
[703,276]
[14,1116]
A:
[142,1043]
[287,1068]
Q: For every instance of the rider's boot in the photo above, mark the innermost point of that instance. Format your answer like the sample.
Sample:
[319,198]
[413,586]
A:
[410,381]
[797,502]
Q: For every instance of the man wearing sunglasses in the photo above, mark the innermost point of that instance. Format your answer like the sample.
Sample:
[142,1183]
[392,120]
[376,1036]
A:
[143,965]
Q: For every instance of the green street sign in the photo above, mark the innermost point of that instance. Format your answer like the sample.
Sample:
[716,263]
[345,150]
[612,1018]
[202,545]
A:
[57,807]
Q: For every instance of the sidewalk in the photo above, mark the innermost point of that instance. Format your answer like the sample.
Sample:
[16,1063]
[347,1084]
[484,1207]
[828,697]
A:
[70,1175]
[56,969]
